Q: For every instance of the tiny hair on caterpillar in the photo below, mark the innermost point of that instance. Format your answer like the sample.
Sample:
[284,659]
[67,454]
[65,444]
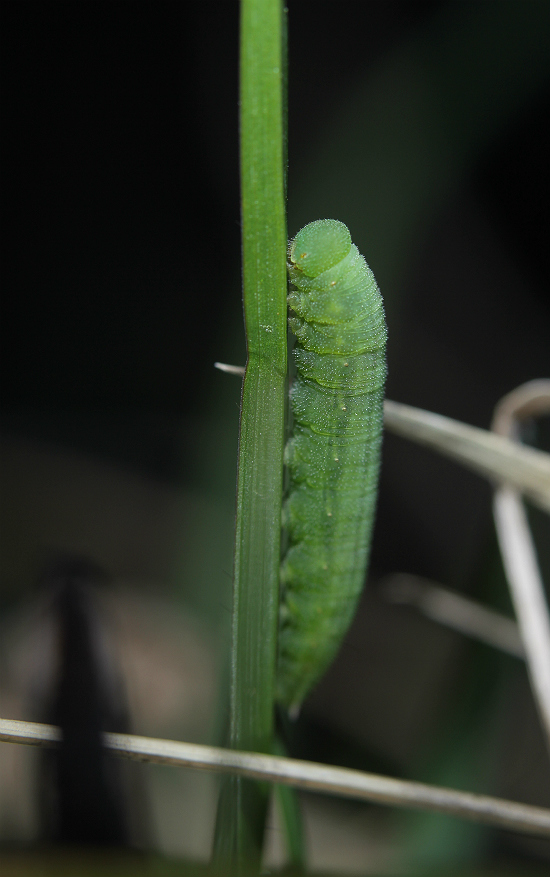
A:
[333,454]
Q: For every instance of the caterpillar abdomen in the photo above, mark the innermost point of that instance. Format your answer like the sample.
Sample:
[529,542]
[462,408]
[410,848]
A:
[333,455]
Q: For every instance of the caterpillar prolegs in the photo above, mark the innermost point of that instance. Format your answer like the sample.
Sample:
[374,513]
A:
[333,455]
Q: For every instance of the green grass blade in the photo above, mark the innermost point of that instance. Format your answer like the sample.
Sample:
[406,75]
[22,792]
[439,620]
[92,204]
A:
[243,804]
[291,816]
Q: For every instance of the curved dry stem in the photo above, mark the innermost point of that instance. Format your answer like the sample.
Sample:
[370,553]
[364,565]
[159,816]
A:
[518,551]
[529,400]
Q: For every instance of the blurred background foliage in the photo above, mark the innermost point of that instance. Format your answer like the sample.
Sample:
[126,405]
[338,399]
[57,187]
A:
[425,127]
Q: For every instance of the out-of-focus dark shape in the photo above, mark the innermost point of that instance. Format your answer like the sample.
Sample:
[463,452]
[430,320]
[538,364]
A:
[82,797]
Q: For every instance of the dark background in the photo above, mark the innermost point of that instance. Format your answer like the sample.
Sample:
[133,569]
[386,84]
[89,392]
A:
[423,126]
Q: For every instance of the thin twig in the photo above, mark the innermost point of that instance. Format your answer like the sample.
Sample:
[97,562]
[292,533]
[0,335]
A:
[305,775]
[518,551]
[494,456]
[230,369]
[455,611]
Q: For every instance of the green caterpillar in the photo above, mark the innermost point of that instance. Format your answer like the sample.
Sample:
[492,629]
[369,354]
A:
[333,455]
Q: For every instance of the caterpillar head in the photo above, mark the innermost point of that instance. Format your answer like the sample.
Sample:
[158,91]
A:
[319,246]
